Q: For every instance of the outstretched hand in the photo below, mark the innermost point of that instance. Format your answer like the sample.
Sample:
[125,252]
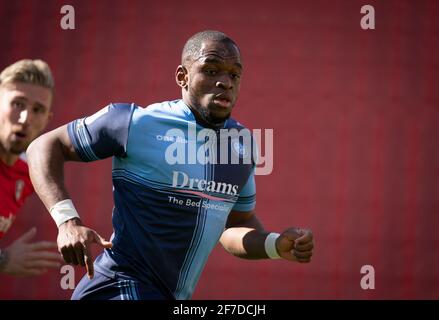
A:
[295,244]
[26,258]
[74,243]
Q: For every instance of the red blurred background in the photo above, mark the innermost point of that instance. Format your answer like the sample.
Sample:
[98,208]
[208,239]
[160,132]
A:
[355,115]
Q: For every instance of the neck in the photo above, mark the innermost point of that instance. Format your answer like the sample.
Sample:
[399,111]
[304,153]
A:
[201,119]
[7,157]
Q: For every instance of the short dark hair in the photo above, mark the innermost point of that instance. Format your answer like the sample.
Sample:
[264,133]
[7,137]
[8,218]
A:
[193,45]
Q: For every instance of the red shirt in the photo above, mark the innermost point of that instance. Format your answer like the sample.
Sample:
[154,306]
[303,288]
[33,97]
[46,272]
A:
[15,187]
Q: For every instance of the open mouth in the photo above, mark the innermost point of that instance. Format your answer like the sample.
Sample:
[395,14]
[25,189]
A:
[222,101]
[20,135]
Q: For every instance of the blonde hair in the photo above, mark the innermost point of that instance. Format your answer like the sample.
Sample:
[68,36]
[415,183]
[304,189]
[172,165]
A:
[28,71]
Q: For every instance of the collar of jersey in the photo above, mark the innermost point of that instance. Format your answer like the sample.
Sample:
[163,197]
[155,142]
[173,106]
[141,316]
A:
[200,121]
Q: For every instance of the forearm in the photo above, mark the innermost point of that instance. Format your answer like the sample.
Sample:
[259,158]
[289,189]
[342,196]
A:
[245,238]
[246,243]
[46,168]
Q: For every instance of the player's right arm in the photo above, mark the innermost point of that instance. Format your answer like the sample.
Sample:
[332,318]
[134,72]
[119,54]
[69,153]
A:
[46,158]
[99,136]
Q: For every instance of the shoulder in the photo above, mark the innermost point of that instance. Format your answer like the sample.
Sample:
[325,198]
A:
[162,110]
[108,114]
[117,107]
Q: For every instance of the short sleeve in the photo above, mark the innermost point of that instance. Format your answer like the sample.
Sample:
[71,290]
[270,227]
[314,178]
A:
[247,197]
[104,134]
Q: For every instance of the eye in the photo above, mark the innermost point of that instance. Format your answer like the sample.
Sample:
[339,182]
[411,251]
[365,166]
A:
[210,72]
[38,110]
[18,104]
[235,76]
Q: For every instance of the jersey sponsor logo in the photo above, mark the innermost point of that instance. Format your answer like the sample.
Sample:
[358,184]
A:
[19,187]
[177,139]
[182,180]
[239,149]
[5,223]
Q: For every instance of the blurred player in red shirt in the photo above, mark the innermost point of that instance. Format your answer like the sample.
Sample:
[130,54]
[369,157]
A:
[26,92]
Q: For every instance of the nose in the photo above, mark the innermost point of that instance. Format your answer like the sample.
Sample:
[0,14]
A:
[224,83]
[24,116]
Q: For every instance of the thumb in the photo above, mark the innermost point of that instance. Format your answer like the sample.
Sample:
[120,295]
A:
[28,235]
[287,239]
[292,234]
[101,241]
[284,244]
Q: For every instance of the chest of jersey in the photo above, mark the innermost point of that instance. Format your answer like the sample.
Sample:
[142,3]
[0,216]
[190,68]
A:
[15,187]
[184,156]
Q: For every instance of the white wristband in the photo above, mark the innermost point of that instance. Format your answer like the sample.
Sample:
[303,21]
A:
[63,211]
[270,246]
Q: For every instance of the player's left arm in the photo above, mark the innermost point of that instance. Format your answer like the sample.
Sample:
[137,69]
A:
[245,237]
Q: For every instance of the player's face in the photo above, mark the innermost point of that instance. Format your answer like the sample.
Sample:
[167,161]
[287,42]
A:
[214,79]
[24,113]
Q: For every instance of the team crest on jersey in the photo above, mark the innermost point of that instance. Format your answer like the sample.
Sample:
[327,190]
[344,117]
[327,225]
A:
[239,149]
[5,223]
[19,187]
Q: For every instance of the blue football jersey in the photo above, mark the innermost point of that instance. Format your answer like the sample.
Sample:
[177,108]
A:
[173,188]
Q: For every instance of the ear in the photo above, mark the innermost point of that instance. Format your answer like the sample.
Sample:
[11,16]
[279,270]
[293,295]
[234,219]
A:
[181,76]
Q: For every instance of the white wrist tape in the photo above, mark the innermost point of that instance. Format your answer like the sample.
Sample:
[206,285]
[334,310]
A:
[63,211]
[270,246]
